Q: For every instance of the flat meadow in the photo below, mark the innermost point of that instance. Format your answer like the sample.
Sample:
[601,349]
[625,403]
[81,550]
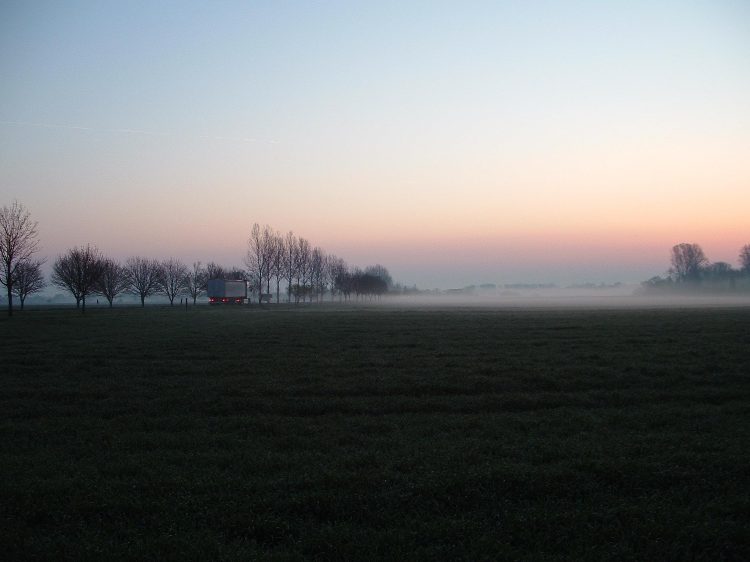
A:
[364,432]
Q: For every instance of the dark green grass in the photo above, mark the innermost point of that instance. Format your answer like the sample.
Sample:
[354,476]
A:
[327,433]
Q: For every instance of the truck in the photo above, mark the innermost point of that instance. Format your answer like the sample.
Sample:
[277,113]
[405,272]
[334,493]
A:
[227,291]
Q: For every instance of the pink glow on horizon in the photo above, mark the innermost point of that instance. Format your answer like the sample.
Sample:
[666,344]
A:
[622,205]
[594,241]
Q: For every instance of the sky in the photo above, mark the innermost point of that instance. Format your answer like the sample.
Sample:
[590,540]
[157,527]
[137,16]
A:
[455,143]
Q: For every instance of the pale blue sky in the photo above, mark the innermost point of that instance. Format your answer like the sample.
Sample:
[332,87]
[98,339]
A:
[477,123]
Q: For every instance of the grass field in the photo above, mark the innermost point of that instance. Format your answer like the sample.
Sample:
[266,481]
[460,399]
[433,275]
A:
[374,433]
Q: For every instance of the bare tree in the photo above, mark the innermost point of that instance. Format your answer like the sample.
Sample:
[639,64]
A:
[172,279]
[144,276]
[381,272]
[213,271]
[745,259]
[366,284]
[278,265]
[78,271]
[235,273]
[64,275]
[720,269]
[290,246]
[302,255]
[28,279]
[317,272]
[259,255]
[338,272]
[112,281]
[345,282]
[687,261]
[18,242]
[329,274]
[721,275]
[195,281]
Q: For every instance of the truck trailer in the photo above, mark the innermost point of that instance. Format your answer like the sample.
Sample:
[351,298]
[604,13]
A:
[226,291]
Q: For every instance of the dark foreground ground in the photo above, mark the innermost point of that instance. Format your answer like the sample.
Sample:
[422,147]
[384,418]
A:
[375,434]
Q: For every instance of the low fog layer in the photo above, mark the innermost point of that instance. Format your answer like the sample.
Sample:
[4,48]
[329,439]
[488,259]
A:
[623,296]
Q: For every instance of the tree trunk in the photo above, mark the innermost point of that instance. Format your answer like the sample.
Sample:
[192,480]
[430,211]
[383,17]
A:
[289,286]
[110,301]
[22,299]
[143,301]
[10,298]
[83,308]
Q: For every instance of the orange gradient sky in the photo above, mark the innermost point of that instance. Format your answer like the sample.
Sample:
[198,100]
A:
[487,142]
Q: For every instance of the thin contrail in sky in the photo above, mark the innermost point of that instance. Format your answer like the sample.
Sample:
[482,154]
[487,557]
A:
[134,132]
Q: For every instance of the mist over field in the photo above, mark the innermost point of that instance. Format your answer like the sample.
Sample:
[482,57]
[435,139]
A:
[627,297]
[623,296]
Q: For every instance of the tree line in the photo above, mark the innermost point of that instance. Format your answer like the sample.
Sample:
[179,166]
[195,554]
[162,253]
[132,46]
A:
[690,269]
[308,272]
[272,261]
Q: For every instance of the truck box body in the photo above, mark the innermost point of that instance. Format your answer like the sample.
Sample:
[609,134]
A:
[226,291]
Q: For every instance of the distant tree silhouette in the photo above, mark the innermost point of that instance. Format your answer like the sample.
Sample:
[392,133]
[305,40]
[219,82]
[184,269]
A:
[278,264]
[690,268]
[719,269]
[213,271]
[720,275]
[28,279]
[332,267]
[657,283]
[339,276]
[236,273]
[18,242]
[144,277]
[260,250]
[78,271]
[380,272]
[317,273]
[745,259]
[366,284]
[300,292]
[687,262]
[302,260]
[172,278]
[305,264]
[344,283]
[289,262]
[195,280]
[112,281]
